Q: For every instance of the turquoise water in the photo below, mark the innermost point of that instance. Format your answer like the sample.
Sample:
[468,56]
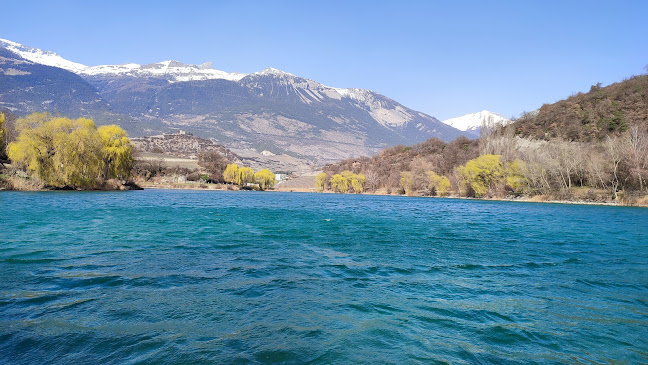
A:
[235,277]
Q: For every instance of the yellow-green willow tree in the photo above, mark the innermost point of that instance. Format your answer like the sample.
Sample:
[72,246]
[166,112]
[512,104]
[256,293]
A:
[117,152]
[320,181]
[65,152]
[265,178]
[238,175]
[406,182]
[358,183]
[245,175]
[230,174]
[439,183]
[341,182]
[514,173]
[481,174]
[78,155]
[486,173]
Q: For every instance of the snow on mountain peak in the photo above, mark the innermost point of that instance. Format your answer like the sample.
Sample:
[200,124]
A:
[41,57]
[356,94]
[474,121]
[273,71]
[174,71]
[385,113]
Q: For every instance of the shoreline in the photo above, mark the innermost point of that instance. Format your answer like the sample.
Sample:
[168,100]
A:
[215,187]
[313,190]
[513,200]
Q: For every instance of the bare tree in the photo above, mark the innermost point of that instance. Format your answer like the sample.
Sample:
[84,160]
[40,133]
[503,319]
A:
[538,166]
[599,170]
[498,141]
[615,156]
[214,163]
[634,146]
[419,168]
[372,179]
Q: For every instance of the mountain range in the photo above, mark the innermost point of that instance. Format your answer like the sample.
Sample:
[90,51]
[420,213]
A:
[270,110]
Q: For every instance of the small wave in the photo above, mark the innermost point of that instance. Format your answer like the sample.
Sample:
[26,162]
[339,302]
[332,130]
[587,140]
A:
[468,266]
[379,308]
[68,283]
[38,298]
[504,335]
[537,265]
[571,261]
[251,292]
[71,304]
[30,261]
[610,284]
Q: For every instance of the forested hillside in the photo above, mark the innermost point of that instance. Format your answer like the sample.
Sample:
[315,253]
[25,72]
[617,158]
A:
[590,116]
[384,170]
[591,147]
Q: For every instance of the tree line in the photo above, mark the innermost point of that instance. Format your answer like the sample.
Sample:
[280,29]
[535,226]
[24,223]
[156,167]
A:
[57,152]
[502,164]
[215,169]
[343,182]
[616,165]
[400,168]
[242,176]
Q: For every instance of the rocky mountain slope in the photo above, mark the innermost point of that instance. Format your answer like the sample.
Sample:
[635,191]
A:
[27,87]
[269,110]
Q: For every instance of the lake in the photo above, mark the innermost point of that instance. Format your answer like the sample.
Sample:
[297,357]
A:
[161,276]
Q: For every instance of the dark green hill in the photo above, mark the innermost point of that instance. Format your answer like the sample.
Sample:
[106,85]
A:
[590,116]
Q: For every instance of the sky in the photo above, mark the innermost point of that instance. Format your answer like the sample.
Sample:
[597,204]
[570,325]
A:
[443,58]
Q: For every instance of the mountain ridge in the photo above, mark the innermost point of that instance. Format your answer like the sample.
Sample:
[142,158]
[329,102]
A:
[267,110]
[40,56]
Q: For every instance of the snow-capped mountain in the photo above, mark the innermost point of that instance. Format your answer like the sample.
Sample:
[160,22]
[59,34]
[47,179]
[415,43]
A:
[41,57]
[174,71]
[267,110]
[27,87]
[473,122]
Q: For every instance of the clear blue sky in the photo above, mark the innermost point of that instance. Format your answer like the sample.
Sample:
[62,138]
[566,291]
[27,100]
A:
[444,58]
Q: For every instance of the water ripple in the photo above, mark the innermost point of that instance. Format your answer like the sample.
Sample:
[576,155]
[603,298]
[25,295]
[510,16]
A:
[220,277]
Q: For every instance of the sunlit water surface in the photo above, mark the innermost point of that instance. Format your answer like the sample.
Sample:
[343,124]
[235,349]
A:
[234,277]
